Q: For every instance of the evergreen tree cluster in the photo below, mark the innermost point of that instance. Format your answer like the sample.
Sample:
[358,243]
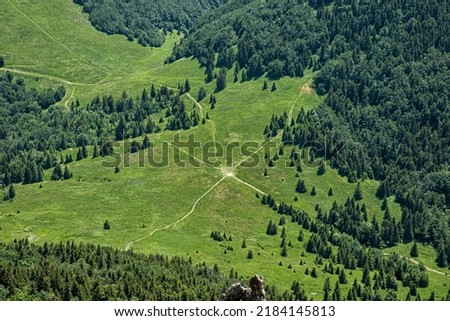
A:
[69,271]
[220,237]
[32,133]
[389,272]
[277,37]
[146,21]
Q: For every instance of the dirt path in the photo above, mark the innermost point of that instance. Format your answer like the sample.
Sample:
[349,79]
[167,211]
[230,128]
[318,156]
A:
[302,91]
[57,79]
[66,99]
[250,185]
[200,107]
[417,263]
[56,40]
[173,224]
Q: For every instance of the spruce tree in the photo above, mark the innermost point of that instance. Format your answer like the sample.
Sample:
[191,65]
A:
[67,174]
[358,192]
[414,251]
[327,290]
[322,169]
[57,172]
[2,61]
[301,187]
[153,91]
[330,192]
[274,87]
[187,86]
[313,191]
[221,82]
[265,86]
[201,94]
[250,255]
[146,142]
[106,225]
[11,192]
[342,277]
[84,151]
[244,244]
[79,154]
[441,259]
[243,75]
[95,151]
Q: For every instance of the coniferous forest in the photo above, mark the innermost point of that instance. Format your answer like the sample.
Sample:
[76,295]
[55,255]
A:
[381,70]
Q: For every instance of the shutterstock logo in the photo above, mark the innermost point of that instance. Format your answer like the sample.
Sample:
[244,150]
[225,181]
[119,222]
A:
[188,151]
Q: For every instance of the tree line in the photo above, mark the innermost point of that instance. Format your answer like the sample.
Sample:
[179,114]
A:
[145,21]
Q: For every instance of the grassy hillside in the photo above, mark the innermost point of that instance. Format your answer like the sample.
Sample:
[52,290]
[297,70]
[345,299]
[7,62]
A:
[170,210]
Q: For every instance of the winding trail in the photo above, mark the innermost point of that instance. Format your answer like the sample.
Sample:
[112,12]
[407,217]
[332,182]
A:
[291,111]
[128,247]
[57,79]
[417,263]
[250,185]
[200,107]
[66,99]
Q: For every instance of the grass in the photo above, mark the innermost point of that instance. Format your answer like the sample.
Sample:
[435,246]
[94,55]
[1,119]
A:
[59,46]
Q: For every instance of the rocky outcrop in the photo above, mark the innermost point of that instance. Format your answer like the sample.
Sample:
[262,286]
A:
[255,291]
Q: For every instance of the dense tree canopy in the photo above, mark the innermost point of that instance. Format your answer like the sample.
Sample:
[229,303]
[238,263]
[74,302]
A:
[144,20]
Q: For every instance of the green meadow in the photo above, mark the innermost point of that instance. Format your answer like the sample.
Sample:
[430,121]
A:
[171,209]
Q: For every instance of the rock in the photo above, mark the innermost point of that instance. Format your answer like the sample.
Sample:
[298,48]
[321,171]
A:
[255,292]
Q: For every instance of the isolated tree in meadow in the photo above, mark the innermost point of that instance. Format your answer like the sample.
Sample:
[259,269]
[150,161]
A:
[265,86]
[2,62]
[327,290]
[322,169]
[336,296]
[300,236]
[57,173]
[414,251]
[274,87]
[67,173]
[284,251]
[153,91]
[79,154]
[250,255]
[441,259]
[95,151]
[40,174]
[84,151]
[106,225]
[11,192]
[358,195]
[201,94]
[221,81]
[342,277]
[243,75]
[146,142]
[209,74]
[187,86]
[330,192]
[313,191]
[244,244]
[301,187]
[116,169]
